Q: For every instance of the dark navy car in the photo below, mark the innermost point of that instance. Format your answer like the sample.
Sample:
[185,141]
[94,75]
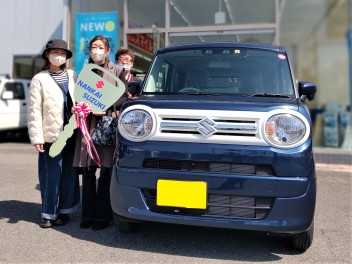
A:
[218,136]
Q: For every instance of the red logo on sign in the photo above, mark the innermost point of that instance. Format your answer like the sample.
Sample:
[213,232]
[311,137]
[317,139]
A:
[100,84]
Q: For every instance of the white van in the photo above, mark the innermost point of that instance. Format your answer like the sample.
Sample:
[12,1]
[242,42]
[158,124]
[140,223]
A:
[13,104]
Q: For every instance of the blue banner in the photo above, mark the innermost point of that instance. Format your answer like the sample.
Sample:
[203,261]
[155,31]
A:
[90,25]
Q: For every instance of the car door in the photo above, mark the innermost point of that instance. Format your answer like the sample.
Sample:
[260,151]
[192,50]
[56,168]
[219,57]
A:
[13,112]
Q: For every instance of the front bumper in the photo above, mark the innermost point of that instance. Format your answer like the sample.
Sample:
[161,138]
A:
[287,189]
[292,209]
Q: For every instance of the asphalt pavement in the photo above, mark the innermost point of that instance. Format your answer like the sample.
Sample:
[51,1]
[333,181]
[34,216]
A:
[22,241]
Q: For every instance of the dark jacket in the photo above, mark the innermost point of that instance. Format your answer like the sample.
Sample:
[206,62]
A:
[82,159]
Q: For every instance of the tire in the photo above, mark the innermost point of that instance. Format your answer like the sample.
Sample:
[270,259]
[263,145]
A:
[3,136]
[23,135]
[302,241]
[123,225]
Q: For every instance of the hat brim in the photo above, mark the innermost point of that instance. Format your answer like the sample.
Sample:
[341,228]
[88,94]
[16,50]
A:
[68,52]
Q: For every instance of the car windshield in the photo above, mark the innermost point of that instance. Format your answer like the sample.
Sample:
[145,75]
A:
[220,71]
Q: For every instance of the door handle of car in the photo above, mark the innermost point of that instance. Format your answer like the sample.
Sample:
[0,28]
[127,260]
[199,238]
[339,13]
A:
[24,103]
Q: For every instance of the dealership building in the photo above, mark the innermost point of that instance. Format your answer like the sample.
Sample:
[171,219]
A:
[315,32]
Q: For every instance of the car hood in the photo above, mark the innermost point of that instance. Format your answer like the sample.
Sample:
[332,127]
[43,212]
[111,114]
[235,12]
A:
[232,103]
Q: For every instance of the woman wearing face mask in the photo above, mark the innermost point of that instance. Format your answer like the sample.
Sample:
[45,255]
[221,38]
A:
[96,208]
[49,109]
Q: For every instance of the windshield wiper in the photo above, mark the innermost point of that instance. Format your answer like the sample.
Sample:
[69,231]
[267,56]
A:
[201,93]
[269,95]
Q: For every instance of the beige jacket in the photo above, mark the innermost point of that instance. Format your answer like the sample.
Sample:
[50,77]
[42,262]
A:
[45,110]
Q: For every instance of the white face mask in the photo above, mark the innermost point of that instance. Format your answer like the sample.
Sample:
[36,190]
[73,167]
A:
[98,55]
[125,66]
[57,60]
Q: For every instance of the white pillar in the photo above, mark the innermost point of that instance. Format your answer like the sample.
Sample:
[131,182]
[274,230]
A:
[277,22]
[66,21]
[167,22]
[125,23]
[66,25]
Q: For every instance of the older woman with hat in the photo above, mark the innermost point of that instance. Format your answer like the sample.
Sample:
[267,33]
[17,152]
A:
[49,109]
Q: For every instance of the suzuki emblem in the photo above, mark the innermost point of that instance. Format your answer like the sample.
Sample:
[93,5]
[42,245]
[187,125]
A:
[206,127]
[100,84]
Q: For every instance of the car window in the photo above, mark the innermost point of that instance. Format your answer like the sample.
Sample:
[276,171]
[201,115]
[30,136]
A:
[221,71]
[17,89]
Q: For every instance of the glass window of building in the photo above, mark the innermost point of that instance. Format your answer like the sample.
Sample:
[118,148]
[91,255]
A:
[139,17]
[27,66]
[185,13]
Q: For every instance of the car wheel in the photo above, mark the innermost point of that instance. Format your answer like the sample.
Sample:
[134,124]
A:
[302,241]
[3,136]
[123,225]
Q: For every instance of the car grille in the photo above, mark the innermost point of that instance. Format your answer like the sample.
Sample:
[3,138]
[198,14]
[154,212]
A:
[209,126]
[207,167]
[223,127]
[220,206]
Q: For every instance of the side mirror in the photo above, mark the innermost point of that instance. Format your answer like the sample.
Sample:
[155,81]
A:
[7,95]
[135,88]
[307,89]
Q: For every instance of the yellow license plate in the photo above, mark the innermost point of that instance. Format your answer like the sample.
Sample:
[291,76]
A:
[186,194]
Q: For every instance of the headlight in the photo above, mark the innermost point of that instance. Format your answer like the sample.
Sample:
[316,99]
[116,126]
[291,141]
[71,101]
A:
[136,124]
[286,130]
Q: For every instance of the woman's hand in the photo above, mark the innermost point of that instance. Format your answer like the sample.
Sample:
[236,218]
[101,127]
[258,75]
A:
[40,147]
[99,113]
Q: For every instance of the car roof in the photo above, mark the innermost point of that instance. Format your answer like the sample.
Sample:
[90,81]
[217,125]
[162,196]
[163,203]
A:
[15,79]
[222,45]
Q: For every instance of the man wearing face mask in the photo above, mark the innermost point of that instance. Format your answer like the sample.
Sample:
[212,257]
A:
[125,59]
[49,109]
[96,208]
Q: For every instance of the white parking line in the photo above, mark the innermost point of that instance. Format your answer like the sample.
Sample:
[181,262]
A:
[334,167]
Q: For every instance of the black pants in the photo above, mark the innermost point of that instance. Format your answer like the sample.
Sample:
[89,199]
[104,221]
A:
[96,201]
